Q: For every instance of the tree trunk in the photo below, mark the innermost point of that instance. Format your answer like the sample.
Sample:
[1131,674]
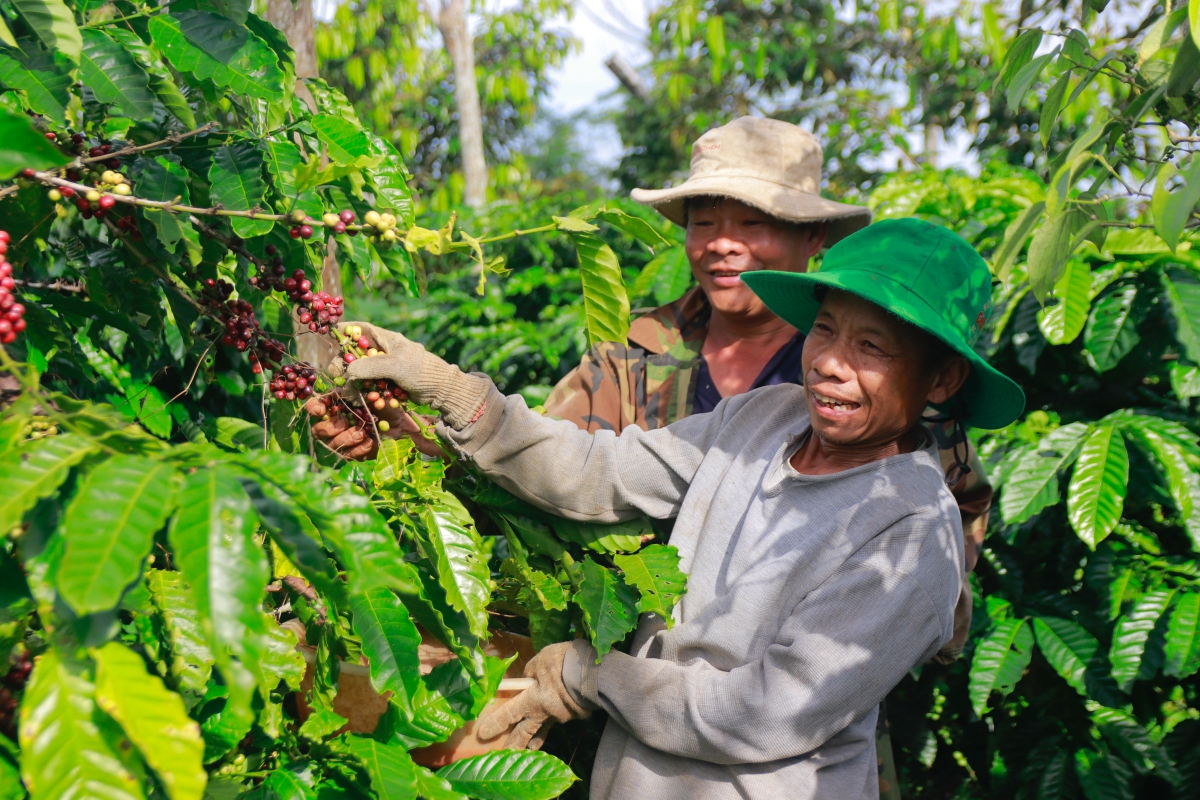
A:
[296,23]
[452,22]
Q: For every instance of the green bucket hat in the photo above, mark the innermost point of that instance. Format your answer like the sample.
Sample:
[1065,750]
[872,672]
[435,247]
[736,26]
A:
[922,273]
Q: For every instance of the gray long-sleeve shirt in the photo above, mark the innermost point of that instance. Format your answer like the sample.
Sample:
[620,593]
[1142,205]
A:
[809,597]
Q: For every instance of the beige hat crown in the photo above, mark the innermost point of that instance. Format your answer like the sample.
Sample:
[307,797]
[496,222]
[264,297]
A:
[766,163]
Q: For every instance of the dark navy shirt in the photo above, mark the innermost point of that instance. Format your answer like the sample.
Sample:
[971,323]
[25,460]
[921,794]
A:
[784,367]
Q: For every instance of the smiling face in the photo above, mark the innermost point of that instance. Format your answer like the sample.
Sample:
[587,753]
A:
[726,238]
[868,375]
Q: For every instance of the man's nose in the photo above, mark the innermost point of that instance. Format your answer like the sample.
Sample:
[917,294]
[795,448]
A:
[724,244]
[833,361]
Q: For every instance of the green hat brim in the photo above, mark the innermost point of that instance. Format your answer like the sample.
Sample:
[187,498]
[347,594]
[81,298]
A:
[992,399]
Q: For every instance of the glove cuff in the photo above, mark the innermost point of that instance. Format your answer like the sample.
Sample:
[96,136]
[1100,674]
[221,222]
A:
[458,396]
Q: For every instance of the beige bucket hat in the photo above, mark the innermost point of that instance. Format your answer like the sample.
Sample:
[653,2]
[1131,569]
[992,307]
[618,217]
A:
[766,163]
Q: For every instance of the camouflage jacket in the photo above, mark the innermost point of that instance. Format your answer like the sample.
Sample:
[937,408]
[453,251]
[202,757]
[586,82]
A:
[651,382]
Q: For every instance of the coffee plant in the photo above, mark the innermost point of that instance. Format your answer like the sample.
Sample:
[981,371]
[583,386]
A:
[1080,679]
[186,574]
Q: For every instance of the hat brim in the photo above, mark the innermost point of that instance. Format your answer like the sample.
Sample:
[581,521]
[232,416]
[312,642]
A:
[992,399]
[775,199]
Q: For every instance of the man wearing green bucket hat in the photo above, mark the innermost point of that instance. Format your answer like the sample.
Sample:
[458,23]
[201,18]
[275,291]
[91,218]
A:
[823,548]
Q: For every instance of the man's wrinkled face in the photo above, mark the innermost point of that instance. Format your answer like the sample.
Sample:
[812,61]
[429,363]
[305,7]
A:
[726,238]
[866,374]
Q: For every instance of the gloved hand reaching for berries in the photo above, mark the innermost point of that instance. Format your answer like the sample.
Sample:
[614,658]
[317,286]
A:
[428,379]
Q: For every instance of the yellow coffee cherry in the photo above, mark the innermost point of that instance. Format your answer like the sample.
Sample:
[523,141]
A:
[55,195]
[380,404]
[389,235]
[122,189]
[388,220]
[371,218]
[384,427]
[393,403]
[92,196]
[330,220]
[371,351]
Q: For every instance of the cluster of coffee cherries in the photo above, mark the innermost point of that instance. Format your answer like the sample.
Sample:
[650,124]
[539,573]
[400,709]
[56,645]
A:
[270,272]
[381,227]
[338,222]
[294,382]
[11,687]
[302,225]
[317,310]
[75,143]
[12,313]
[242,330]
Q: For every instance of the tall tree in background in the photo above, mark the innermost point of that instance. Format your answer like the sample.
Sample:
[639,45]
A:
[862,81]
[386,57]
[450,16]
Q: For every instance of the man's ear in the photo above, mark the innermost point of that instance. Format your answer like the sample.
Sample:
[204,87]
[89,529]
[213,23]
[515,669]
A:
[819,234]
[949,380]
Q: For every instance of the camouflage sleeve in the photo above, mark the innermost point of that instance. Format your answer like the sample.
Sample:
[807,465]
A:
[593,394]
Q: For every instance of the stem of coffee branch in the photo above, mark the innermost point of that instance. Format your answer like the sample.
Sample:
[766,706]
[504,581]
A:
[174,138]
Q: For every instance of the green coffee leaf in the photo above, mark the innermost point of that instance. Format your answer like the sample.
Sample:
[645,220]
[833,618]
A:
[54,24]
[609,606]
[346,143]
[1171,459]
[45,79]
[1172,210]
[63,752]
[1131,740]
[1096,493]
[283,784]
[390,641]
[1064,321]
[226,571]
[34,471]
[213,47]
[392,771]
[1131,634]
[295,535]
[164,180]
[110,527]
[1183,637]
[463,575]
[112,74]
[237,184]
[1019,54]
[1051,106]
[190,662]
[1183,297]
[1067,647]
[620,537]
[1051,246]
[509,775]
[24,146]
[1103,776]
[1033,483]
[605,302]
[1025,78]
[160,80]
[1111,330]
[654,570]
[1014,239]
[1000,661]
[154,718]
[1185,70]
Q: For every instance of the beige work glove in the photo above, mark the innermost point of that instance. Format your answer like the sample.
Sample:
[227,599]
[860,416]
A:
[531,713]
[428,379]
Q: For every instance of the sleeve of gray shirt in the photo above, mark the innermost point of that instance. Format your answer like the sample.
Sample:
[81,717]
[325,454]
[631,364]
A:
[591,477]
[842,649]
